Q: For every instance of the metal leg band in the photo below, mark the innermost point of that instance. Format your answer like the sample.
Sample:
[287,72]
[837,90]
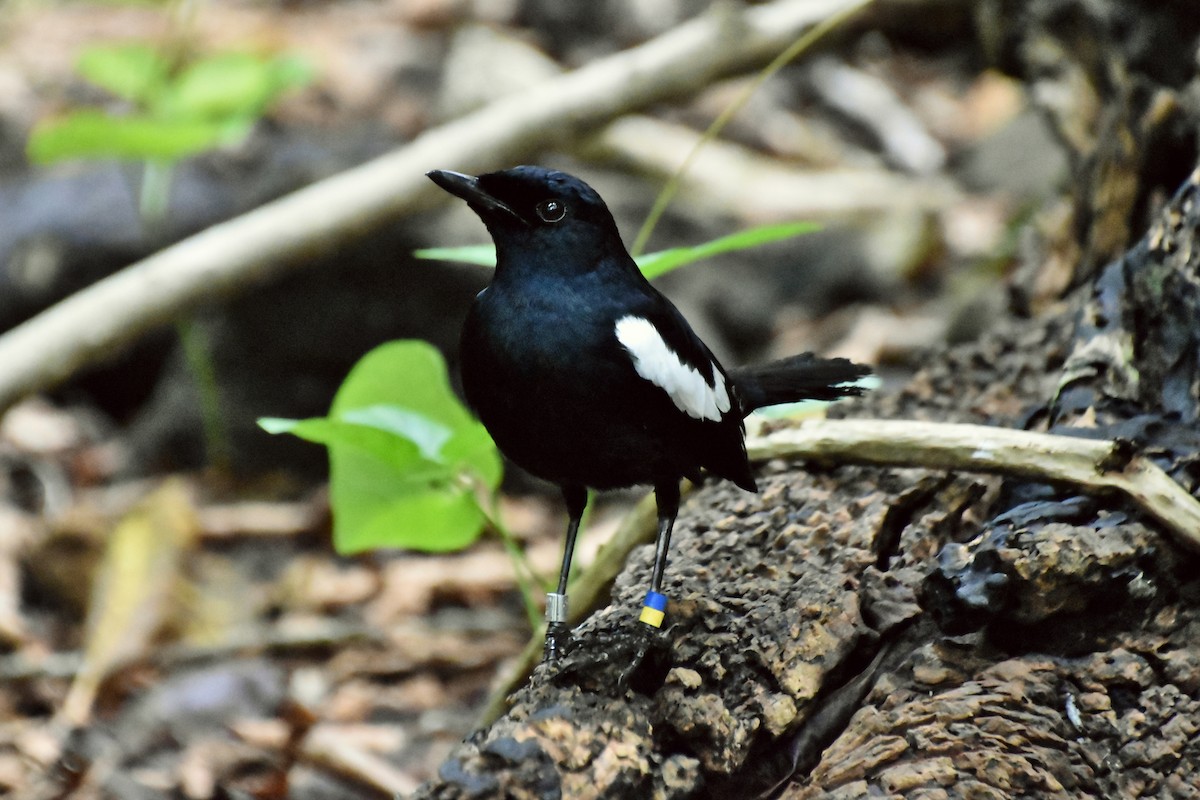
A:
[654,609]
[556,607]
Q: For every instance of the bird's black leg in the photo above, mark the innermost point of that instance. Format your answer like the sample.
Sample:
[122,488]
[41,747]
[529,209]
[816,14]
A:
[666,495]
[557,633]
[654,607]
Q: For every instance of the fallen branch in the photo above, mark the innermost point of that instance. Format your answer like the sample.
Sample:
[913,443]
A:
[905,443]
[47,349]
[767,189]
[1083,463]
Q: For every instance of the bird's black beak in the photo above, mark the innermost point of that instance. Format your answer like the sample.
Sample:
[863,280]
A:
[468,188]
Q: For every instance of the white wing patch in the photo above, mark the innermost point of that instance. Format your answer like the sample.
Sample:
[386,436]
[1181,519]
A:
[656,362]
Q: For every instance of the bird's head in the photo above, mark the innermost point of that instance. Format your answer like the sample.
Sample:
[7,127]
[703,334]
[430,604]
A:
[534,211]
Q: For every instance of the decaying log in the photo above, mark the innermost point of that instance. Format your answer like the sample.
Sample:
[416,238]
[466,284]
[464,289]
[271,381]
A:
[852,630]
[865,631]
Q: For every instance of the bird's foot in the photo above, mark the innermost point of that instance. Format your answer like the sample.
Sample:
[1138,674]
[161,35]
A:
[558,634]
[648,635]
[558,638]
[647,641]
[636,654]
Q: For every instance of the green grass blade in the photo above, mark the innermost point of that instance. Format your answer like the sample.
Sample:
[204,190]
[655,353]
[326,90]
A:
[804,42]
[651,264]
[655,264]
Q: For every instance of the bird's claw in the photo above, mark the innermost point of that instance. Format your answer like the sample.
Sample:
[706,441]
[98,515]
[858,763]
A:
[558,637]
[646,639]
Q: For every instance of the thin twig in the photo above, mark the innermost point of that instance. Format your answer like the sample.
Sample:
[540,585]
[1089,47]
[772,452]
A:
[324,748]
[802,43]
[523,571]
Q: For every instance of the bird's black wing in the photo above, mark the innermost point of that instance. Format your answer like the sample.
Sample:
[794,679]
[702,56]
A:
[664,351]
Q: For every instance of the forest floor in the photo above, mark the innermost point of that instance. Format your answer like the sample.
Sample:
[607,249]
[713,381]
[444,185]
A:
[184,630]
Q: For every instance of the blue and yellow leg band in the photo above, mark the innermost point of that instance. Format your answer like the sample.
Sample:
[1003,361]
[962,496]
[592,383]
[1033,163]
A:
[654,609]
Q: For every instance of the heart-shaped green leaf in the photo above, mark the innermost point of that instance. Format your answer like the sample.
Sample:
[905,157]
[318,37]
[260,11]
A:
[406,459]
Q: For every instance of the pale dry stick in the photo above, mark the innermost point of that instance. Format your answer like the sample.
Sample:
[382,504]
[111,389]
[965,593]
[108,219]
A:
[1093,465]
[95,322]
[801,44]
[1084,463]
[767,189]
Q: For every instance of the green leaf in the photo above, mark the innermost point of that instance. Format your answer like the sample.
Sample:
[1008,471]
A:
[386,447]
[482,254]
[278,424]
[370,512]
[231,86]
[655,264]
[410,375]
[94,134]
[405,457]
[651,264]
[428,435]
[135,72]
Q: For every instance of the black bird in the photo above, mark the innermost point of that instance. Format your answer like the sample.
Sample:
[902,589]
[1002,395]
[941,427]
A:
[586,376]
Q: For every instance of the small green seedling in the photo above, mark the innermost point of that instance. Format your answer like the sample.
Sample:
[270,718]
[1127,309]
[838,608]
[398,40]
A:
[172,109]
[652,265]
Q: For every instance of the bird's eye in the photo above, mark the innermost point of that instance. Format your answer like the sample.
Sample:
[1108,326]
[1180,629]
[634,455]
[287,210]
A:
[551,210]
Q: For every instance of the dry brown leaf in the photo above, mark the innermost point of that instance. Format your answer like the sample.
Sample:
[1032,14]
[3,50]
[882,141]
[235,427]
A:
[326,746]
[132,590]
[315,583]
[259,518]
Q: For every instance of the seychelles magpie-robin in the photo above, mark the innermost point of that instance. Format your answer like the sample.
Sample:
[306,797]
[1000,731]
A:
[586,376]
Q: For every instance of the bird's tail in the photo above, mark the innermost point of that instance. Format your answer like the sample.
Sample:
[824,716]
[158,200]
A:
[802,377]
